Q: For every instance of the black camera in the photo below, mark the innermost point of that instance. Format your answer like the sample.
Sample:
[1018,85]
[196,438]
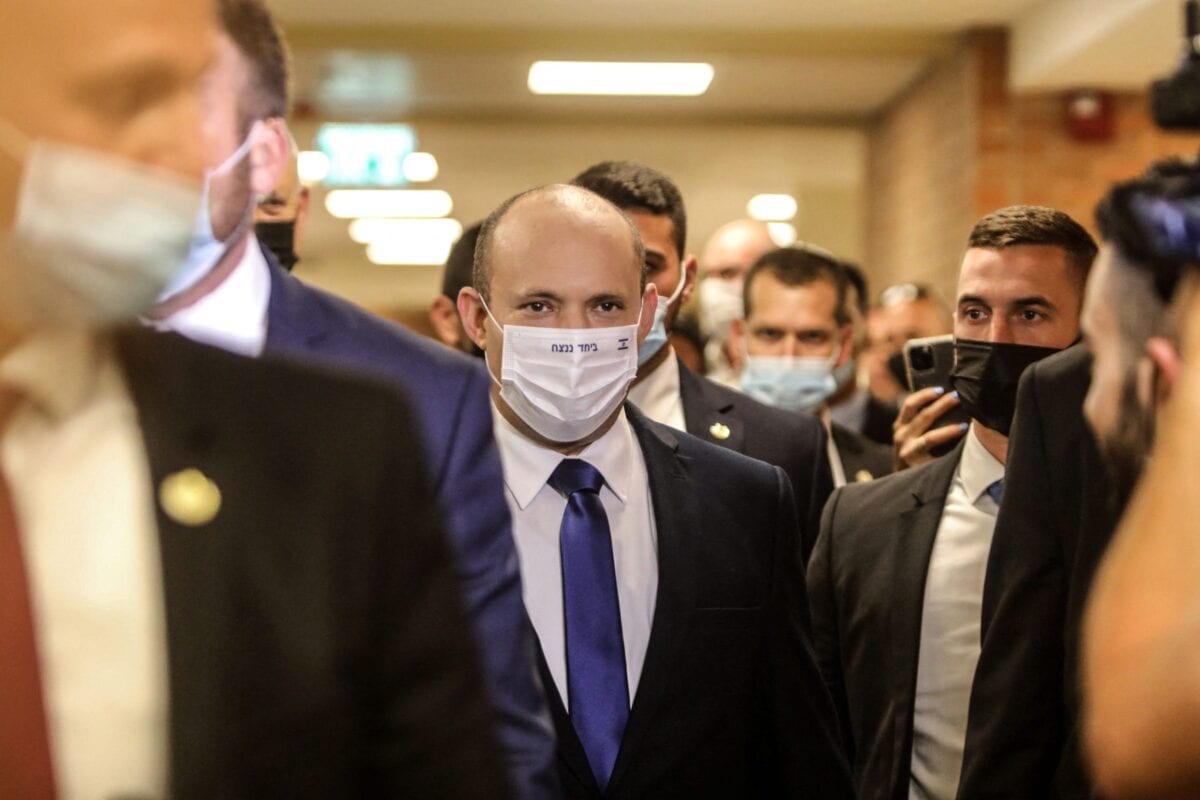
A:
[921,358]
[1175,100]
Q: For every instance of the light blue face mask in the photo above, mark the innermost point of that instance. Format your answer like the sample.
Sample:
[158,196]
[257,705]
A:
[794,383]
[206,249]
[845,372]
[657,337]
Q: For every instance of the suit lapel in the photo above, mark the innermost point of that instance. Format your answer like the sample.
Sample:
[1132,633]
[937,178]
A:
[293,320]
[911,548]
[570,750]
[674,518]
[710,415]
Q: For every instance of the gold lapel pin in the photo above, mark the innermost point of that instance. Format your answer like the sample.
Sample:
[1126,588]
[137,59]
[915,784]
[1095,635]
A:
[189,497]
[719,430]
[863,476]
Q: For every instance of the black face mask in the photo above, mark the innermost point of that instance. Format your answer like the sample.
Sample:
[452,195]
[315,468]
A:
[986,375]
[280,239]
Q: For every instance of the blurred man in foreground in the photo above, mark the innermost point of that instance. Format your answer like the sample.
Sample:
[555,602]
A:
[236,296]
[1141,638]
[207,589]
[661,572]
[443,311]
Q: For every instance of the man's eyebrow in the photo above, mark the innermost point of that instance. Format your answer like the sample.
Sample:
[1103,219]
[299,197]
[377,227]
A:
[538,294]
[1035,300]
[969,299]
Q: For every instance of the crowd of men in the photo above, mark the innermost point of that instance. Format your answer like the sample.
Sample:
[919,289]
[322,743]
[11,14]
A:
[641,525]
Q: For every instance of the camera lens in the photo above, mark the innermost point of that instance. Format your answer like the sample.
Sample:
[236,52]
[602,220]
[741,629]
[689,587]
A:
[921,358]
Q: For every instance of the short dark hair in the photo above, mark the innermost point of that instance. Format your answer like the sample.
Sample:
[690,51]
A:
[253,30]
[796,266]
[1172,179]
[1036,225]
[631,186]
[461,262]
[481,276]
[858,280]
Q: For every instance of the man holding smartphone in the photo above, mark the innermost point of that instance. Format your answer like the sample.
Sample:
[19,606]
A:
[896,578]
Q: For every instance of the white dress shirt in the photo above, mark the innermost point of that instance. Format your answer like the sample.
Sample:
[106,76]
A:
[537,512]
[76,465]
[949,648]
[233,316]
[657,394]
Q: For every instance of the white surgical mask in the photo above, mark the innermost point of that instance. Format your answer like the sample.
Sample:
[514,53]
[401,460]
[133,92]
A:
[720,304]
[565,382]
[95,237]
[657,337]
[795,383]
[206,249]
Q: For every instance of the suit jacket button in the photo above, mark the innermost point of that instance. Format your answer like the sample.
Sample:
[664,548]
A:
[189,497]
[862,476]
[719,430]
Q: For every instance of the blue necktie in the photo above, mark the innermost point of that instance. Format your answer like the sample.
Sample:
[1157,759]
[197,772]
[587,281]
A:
[996,490]
[597,691]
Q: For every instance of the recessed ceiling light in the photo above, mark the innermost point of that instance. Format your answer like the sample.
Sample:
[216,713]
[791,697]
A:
[355,203]
[620,78]
[783,234]
[383,231]
[416,252]
[771,207]
[420,167]
[312,166]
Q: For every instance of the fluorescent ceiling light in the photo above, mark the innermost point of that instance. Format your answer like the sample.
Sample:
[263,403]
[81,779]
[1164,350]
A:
[771,207]
[783,234]
[385,231]
[420,167]
[312,166]
[619,78]
[354,203]
[415,252]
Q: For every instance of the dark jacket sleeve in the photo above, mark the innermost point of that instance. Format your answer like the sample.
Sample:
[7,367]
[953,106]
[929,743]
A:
[808,751]
[1016,723]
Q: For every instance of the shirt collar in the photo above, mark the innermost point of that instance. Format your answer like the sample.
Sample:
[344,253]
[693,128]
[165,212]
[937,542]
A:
[528,465]
[977,468]
[56,371]
[659,387]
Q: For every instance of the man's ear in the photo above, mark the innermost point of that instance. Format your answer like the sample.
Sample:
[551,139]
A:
[737,332]
[1165,358]
[474,316]
[650,302]
[270,154]
[443,316]
[846,344]
[690,265]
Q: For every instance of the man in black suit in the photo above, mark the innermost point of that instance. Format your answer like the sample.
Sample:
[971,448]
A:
[661,572]
[220,578]
[667,391]
[795,338]
[897,575]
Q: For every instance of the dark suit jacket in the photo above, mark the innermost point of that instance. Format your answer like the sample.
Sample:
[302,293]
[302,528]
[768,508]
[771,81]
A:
[314,627]
[730,702]
[862,459]
[795,442]
[450,394]
[1054,524]
[866,585]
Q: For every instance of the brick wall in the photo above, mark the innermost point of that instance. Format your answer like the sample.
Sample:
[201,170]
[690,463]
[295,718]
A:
[958,144]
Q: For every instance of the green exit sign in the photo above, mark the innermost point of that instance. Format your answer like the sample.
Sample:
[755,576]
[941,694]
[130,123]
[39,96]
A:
[366,155]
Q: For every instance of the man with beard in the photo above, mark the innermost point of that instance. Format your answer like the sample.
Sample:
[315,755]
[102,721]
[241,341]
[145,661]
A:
[1140,635]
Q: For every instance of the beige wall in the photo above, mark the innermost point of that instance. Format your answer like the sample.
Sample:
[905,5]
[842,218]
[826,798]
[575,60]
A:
[718,168]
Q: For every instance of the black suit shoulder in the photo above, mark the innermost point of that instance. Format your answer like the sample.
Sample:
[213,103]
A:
[862,459]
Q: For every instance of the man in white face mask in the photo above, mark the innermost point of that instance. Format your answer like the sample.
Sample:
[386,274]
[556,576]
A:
[643,550]
[665,389]
[796,334]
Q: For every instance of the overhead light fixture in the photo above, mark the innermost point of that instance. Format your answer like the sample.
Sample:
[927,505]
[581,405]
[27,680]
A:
[415,252]
[312,166]
[783,234]
[620,78]
[384,231]
[771,207]
[420,167]
[420,203]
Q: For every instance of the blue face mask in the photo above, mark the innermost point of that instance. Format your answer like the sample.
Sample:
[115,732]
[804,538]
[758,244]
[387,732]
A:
[206,249]
[845,372]
[794,383]
[657,337]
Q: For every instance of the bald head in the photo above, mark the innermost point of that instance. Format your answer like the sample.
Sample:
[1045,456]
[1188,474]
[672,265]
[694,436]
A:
[735,246]
[558,218]
[120,77]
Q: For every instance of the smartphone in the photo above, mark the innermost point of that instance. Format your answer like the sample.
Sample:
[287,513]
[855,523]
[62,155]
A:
[929,362]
